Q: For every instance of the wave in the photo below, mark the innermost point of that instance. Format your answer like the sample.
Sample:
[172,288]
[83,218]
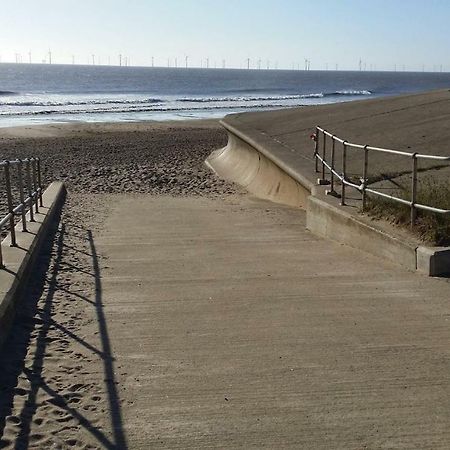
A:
[363,92]
[271,98]
[82,102]
[4,93]
[138,109]
[152,100]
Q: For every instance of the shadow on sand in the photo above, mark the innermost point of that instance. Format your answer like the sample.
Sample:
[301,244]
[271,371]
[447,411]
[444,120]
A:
[33,322]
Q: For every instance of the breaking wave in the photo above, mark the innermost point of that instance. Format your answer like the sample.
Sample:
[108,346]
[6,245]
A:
[4,93]
[138,109]
[40,106]
[81,102]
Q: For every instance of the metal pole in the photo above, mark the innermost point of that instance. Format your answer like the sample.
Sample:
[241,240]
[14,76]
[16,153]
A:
[30,189]
[39,180]
[324,151]
[22,198]
[35,186]
[364,180]
[414,190]
[10,204]
[316,149]
[332,162]
[2,266]
[344,171]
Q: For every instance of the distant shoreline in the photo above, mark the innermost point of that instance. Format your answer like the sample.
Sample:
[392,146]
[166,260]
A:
[72,129]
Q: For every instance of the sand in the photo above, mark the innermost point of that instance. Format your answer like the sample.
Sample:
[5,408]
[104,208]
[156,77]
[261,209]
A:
[149,157]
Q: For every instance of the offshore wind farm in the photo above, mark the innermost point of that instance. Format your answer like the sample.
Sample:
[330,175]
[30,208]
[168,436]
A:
[46,93]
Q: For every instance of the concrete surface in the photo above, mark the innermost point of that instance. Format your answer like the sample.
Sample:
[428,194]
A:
[19,260]
[250,166]
[235,327]
[282,139]
[328,221]
[434,261]
[412,123]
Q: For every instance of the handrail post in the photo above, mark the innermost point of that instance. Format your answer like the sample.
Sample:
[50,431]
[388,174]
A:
[22,198]
[344,171]
[29,188]
[364,180]
[35,186]
[316,149]
[333,145]
[324,153]
[10,204]
[414,190]
[39,181]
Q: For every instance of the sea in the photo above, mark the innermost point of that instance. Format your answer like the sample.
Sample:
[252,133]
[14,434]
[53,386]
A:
[41,93]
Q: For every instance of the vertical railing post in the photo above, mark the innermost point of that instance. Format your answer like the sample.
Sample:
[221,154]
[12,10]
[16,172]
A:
[333,145]
[35,185]
[39,181]
[21,196]
[364,178]
[2,266]
[414,190]
[324,154]
[29,188]
[344,171]
[10,204]
[316,150]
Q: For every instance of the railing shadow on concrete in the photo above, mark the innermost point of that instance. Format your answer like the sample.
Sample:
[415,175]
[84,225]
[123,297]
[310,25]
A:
[35,317]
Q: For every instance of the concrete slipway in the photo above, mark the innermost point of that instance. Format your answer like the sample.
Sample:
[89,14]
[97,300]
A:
[238,328]
[232,326]
[241,329]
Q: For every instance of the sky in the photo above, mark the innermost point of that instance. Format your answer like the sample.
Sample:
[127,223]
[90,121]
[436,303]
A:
[407,34]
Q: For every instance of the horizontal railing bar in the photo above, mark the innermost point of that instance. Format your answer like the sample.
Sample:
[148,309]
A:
[18,209]
[383,150]
[338,175]
[5,220]
[349,183]
[15,162]
[438,158]
[432,209]
[392,152]
[363,186]
[382,194]
[349,144]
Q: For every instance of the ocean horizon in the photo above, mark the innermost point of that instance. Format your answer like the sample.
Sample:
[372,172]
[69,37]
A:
[32,94]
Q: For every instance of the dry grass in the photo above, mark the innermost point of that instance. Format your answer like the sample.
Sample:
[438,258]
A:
[430,227]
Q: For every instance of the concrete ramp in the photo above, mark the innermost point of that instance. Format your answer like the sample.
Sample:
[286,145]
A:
[241,163]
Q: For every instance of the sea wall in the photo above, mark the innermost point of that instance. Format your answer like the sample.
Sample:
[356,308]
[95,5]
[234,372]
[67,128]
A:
[265,168]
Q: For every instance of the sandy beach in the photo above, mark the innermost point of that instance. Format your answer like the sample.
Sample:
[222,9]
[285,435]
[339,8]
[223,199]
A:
[148,157]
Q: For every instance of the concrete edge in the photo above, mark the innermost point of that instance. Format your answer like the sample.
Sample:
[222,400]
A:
[240,163]
[300,178]
[329,221]
[433,261]
[19,260]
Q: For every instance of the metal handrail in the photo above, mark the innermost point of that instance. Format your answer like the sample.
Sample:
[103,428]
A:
[28,182]
[363,187]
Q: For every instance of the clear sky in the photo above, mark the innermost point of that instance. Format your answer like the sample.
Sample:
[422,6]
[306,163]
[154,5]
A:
[383,33]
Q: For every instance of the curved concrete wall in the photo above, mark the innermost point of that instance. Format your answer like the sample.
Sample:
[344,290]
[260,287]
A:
[241,163]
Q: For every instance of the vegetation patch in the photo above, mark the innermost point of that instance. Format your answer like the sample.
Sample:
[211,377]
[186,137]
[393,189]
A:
[431,227]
